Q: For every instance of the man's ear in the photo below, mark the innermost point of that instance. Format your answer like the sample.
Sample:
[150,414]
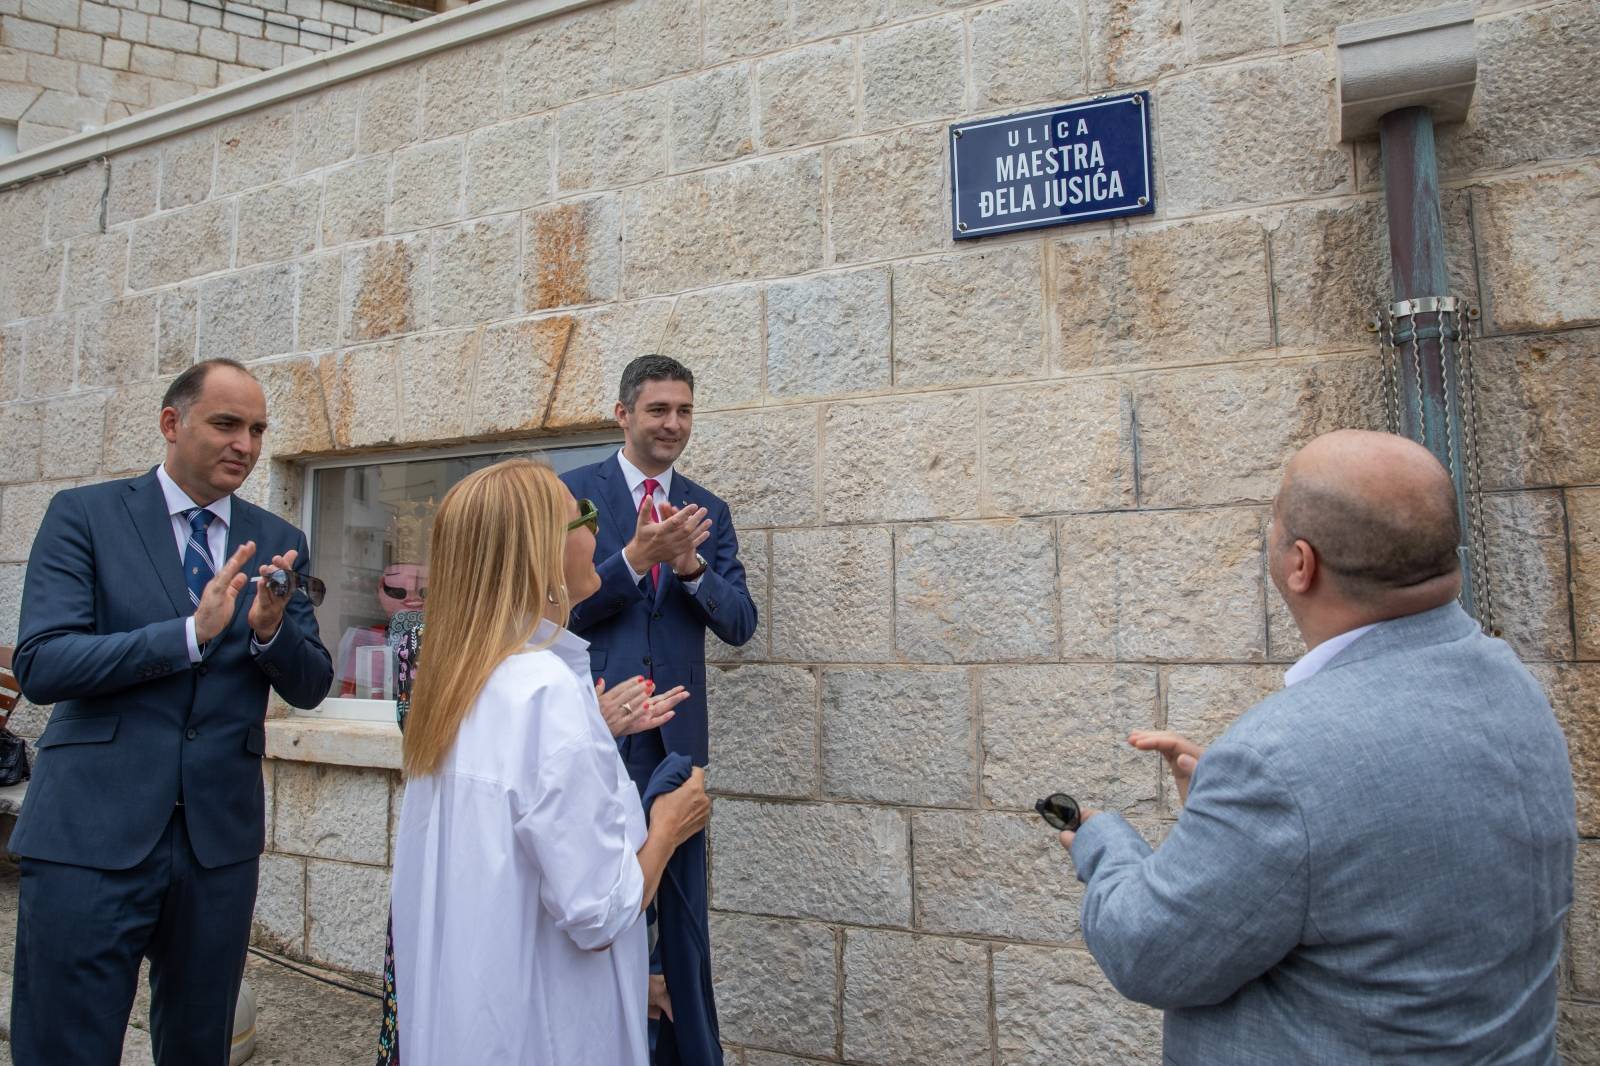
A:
[169,424]
[620,413]
[1303,567]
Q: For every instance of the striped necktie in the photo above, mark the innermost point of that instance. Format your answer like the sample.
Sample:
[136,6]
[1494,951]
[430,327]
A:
[198,569]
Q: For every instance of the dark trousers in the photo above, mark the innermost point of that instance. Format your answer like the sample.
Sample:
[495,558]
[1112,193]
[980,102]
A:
[81,933]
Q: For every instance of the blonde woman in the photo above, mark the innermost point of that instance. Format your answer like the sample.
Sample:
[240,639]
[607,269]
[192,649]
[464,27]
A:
[523,863]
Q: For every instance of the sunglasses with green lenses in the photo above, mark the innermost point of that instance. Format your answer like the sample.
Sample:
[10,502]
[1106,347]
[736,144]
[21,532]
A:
[587,516]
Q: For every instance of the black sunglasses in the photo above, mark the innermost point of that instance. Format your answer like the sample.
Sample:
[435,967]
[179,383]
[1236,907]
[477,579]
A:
[1061,811]
[282,584]
[587,516]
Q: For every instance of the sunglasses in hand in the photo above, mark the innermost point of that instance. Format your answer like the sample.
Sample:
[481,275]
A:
[283,583]
[1061,811]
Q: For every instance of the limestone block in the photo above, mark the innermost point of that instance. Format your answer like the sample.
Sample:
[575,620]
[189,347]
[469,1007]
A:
[993,874]
[755,555]
[606,142]
[969,318]
[1132,42]
[1306,19]
[179,245]
[278,221]
[347,911]
[1583,523]
[391,109]
[517,373]
[716,333]
[807,95]
[1163,585]
[118,342]
[49,347]
[255,150]
[19,442]
[831,590]
[71,449]
[760,219]
[760,462]
[509,166]
[1184,292]
[1224,434]
[655,39]
[436,385]
[475,271]
[187,164]
[573,253]
[362,387]
[1578,1033]
[1284,643]
[601,343]
[1065,447]
[280,918]
[868,753]
[1539,407]
[912,73]
[1053,1007]
[324,125]
[176,317]
[1527,567]
[1230,28]
[1537,273]
[76,200]
[953,581]
[1574,693]
[10,363]
[332,812]
[24,213]
[1583,922]
[23,507]
[834,862]
[30,282]
[711,118]
[829,334]
[248,315]
[298,416]
[897,984]
[317,309]
[558,60]
[27,36]
[927,468]
[10,601]
[385,287]
[461,88]
[427,185]
[739,28]
[1218,151]
[353,200]
[878,202]
[133,437]
[763,730]
[776,982]
[134,178]
[1027,51]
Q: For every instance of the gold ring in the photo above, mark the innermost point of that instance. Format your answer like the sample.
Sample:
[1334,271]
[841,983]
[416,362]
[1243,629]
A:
[627,708]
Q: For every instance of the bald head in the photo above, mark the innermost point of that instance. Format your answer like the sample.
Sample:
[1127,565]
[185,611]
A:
[1380,512]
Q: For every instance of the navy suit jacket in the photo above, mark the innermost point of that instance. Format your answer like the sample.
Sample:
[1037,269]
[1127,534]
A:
[136,727]
[660,633]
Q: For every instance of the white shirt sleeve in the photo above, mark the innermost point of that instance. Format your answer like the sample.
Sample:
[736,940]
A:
[194,644]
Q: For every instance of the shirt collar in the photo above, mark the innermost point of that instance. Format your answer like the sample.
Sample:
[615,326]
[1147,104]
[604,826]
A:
[1315,659]
[178,501]
[636,477]
[568,646]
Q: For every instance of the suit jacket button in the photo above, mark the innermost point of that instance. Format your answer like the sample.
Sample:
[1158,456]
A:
[647,660]
[190,734]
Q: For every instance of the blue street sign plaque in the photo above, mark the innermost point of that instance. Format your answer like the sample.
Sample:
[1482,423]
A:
[1075,163]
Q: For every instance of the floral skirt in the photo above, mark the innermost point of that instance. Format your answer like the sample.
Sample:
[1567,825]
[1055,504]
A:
[389,1030]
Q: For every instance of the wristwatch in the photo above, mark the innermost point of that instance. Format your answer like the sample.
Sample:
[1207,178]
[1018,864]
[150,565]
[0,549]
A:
[700,565]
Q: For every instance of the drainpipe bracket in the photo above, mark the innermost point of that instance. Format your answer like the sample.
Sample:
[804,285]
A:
[1421,59]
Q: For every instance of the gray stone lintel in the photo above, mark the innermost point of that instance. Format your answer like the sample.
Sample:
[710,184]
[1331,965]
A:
[1421,59]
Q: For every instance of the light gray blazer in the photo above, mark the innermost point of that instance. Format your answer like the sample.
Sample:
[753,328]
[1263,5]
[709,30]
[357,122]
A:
[1373,866]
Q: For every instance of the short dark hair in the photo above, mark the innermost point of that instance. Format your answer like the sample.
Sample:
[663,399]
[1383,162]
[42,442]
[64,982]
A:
[651,368]
[186,387]
[1370,550]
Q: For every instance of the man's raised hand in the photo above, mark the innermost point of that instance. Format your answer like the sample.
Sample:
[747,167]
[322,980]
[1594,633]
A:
[220,598]
[1180,752]
[675,537]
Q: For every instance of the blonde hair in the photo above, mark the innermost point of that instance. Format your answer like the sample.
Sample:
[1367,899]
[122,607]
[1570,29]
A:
[497,563]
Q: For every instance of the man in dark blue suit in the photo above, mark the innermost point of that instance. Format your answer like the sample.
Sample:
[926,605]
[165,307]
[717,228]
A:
[669,566]
[143,826]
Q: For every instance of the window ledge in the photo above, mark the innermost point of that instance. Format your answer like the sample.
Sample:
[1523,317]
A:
[334,742]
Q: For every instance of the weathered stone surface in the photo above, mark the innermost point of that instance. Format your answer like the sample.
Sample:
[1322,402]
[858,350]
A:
[1305,19]
[829,861]
[829,18]
[869,754]
[384,288]
[181,244]
[23,508]
[1583,526]
[711,118]
[1133,41]
[516,373]
[391,108]
[48,355]
[1163,585]
[436,374]
[1539,407]
[828,334]
[325,128]
[760,462]
[600,143]
[717,334]
[738,28]
[1578,1033]
[280,917]
[97,269]
[760,219]
[1053,1007]
[133,436]
[877,202]
[353,200]
[831,589]
[1574,693]
[362,388]
[278,222]
[655,39]
[573,253]
[895,984]
[10,600]
[1203,701]
[912,73]
[176,342]
[1230,28]
[1217,152]
[1583,922]
[808,95]
[755,555]
[763,730]
[427,185]
[118,343]
[332,812]
[993,874]
[776,982]
[317,311]
[76,199]
[461,88]
[559,60]
[926,469]
[1212,275]
[24,212]
[949,592]
[1527,565]
[509,166]
[1025,51]
[475,271]
[255,150]
[347,910]
[30,282]
[601,344]
[1536,273]
[77,428]
[187,166]
[298,416]
[249,314]
[1063,447]
[1284,643]
[969,318]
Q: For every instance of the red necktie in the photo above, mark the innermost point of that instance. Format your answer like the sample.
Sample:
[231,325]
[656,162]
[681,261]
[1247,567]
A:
[650,486]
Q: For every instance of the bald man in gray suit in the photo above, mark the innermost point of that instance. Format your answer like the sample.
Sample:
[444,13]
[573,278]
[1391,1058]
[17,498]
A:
[1373,864]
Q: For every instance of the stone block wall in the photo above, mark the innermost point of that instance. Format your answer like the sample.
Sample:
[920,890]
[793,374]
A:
[71,65]
[1001,501]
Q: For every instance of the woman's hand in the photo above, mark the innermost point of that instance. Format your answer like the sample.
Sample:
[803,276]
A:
[684,811]
[632,707]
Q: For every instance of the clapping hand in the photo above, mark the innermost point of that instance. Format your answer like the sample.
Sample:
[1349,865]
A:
[687,563]
[220,598]
[633,706]
[1181,754]
[671,540]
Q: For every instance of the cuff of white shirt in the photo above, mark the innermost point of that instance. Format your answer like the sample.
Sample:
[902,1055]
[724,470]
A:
[257,647]
[195,654]
[637,577]
[694,586]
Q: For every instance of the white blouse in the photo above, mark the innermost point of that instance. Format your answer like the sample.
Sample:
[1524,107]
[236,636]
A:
[517,887]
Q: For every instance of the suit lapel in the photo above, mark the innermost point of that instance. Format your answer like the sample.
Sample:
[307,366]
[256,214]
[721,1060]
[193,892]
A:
[148,509]
[241,528]
[616,499]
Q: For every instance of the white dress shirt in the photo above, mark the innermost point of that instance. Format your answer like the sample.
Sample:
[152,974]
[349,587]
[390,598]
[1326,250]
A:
[517,888]
[178,502]
[1318,657]
[636,478]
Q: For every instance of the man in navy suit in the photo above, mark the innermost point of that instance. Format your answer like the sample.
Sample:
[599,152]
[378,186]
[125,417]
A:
[669,566]
[143,826]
